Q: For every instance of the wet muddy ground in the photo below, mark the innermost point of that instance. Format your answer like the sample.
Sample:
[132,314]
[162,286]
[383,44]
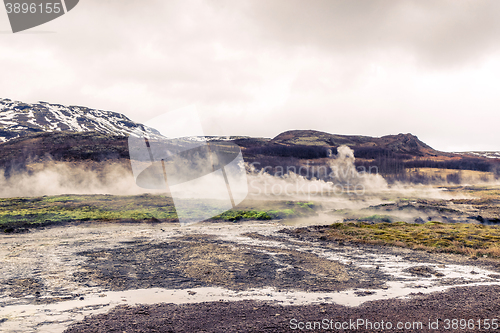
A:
[251,276]
[54,277]
[422,313]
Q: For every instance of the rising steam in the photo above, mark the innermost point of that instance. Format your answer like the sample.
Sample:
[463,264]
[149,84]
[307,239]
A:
[342,177]
[57,178]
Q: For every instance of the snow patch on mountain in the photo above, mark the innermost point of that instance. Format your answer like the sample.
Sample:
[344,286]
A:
[487,154]
[19,119]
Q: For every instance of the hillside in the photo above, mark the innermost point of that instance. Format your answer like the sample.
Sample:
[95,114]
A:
[18,119]
[407,144]
[391,154]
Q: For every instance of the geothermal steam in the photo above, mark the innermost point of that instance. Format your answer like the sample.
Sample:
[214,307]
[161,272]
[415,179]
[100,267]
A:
[66,178]
[343,178]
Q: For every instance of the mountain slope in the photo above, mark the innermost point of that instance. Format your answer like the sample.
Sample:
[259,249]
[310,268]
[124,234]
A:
[19,119]
[407,144]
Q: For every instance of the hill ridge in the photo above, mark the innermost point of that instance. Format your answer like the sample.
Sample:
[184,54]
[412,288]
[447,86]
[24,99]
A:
[18,119]
[397,143]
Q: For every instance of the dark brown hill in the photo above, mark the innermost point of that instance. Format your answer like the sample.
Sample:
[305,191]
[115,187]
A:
[44,147]
[391,153]
[406,144]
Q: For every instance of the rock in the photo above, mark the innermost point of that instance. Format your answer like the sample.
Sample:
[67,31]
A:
[424,271]
[419,220]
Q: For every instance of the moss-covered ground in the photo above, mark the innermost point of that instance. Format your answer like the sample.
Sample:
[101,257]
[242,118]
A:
[76,208]
[474,240]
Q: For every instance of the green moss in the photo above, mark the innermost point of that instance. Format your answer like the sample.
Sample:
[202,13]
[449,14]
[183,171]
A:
[64,208]
[64,198]
[377,218]
[235,215]
[84,208]
[469,239]
[306,205]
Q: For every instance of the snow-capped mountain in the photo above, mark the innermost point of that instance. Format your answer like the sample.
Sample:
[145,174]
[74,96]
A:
[487,154]
[20,119]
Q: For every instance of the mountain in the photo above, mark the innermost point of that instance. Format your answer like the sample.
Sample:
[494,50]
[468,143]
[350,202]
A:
[310,144]
[392,155]
[41,132]
[407,144]
[18,119]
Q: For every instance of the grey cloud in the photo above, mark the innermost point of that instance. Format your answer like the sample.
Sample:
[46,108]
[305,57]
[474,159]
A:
[236,58]
[437,32]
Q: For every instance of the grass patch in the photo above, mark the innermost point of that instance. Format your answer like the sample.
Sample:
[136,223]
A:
[377,218]
[468,239]
[304,205]
[68,208]
[85,208]
[235,215]
[263,210]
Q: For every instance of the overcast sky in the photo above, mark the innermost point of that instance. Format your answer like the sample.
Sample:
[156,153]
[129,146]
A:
[259,68]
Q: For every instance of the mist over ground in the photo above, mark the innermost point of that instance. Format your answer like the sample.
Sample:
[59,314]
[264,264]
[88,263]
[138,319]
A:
[55,178]
[344,183]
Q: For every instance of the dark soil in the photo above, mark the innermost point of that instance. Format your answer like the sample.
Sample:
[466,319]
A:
[199,261]
[22,287]
[424,271]
[474,303]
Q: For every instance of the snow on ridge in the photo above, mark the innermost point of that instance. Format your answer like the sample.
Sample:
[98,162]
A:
[23,118]
[487,154]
